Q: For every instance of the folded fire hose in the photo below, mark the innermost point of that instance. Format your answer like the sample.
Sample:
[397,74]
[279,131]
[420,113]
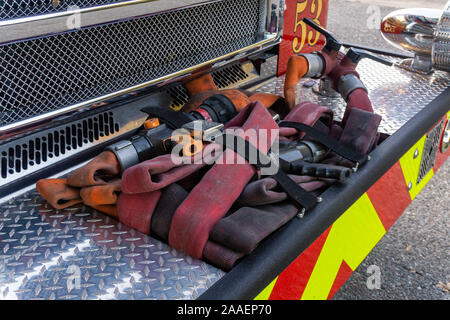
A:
[271,208]
[200,211]
[146,187]
[60,195]
[103,172]
[216,210]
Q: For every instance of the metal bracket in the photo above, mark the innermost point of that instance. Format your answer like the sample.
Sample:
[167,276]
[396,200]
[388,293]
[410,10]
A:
[430,151]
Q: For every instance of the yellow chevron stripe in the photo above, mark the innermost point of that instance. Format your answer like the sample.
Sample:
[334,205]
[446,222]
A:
[265,294]
[351,238]
[411,166]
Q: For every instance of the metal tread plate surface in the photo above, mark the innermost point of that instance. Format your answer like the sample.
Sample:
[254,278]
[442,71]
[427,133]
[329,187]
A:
[79,253]
[396,94]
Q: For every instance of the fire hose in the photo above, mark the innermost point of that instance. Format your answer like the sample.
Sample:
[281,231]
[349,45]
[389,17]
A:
[333,64]
[175,202]
[102,175]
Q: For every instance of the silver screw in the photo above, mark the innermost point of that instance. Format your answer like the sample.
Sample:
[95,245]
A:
[301,214]
[409,185]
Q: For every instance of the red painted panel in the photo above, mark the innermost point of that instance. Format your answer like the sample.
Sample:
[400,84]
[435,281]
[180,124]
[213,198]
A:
[292,281]
[440,159]
[389,196]
[343,274]
[297,37]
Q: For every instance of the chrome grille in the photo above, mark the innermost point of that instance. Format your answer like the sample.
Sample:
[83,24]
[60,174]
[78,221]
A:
[37,150]
[10,9]
[441,41]
[49,73]
[54,143]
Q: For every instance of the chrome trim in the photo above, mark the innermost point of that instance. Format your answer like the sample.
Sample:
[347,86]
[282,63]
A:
[36,26]
[422,31]
[269,40]
[414,29]
[440,53]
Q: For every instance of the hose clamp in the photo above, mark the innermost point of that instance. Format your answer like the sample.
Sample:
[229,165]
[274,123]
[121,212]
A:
[315,65]
[348,83]
[318,151]
[126,154]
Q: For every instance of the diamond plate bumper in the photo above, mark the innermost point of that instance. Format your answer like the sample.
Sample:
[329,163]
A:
[81,254]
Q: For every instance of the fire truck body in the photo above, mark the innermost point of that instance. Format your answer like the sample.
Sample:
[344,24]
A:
[75,80]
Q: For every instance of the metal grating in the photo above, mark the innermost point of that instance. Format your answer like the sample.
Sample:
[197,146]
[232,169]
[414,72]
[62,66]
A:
[26,153]
[10,9]
[430,151]
[49,73]
[227,77]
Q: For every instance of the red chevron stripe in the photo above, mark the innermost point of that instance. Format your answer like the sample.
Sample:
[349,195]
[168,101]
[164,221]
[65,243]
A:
[292,281]
[389,196]
[343,274]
